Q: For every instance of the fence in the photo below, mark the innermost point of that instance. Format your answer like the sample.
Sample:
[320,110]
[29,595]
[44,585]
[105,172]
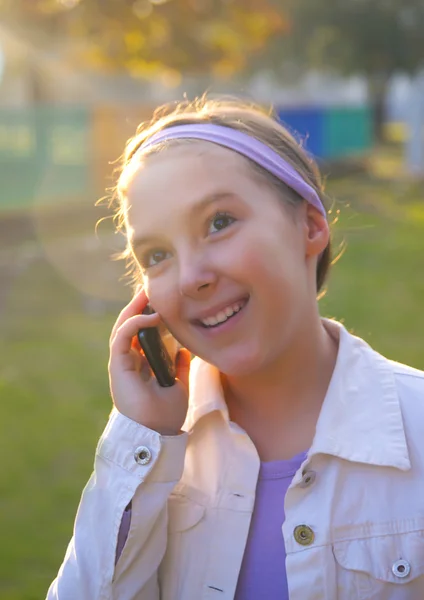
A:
[56,156]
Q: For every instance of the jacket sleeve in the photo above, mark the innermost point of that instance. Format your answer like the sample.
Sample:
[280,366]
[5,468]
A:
[132,464]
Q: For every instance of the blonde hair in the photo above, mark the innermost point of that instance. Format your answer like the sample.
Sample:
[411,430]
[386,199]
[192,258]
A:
[237,114]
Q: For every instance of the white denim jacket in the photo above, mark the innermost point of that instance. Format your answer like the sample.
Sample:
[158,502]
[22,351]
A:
[354,526]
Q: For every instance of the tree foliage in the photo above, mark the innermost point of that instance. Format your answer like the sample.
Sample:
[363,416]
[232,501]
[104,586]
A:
[373,37]
[226,37]
[145,37]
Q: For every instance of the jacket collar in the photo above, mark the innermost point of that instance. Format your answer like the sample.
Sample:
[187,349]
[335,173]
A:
[206,393]
[360,418]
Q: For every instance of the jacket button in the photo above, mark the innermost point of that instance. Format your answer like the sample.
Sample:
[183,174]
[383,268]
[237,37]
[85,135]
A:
[142,455]
[307,479]
[401,568]
[304,535]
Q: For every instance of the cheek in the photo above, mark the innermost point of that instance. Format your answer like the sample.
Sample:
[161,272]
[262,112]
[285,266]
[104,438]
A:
[270,261]
[162,297]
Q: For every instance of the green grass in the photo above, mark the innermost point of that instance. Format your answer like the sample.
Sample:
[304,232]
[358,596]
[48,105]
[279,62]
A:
[377,287]
[53,386]
[53,380]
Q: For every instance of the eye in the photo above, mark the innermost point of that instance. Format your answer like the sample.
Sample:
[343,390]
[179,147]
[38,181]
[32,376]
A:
[153,257]
[220,221]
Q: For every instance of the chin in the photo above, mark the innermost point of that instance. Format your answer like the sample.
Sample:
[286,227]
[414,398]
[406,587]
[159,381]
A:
[237,363]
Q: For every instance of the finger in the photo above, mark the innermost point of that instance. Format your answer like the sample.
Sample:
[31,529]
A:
[145,371]
[123,340]
[135,344]
[141,365]
[183,365]
[136,306]
[138,360]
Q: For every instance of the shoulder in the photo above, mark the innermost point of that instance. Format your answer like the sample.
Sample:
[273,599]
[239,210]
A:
[409,381]
[405,371]
[397,379]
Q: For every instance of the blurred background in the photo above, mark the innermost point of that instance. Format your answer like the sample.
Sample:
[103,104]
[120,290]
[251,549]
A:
[76,78]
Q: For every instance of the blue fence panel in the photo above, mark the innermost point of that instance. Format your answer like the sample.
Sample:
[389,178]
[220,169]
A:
[349,132]
[307,126]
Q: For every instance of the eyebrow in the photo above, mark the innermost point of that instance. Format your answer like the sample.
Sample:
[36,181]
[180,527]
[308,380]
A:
[194,211]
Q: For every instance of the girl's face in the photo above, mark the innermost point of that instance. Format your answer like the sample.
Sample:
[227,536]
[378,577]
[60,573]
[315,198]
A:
[215,244]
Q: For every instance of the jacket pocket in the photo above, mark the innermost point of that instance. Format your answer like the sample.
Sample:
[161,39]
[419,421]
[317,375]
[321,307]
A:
[183,515]
[385,567]
[183,566]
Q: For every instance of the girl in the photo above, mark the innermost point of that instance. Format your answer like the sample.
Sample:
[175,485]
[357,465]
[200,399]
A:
[294,469]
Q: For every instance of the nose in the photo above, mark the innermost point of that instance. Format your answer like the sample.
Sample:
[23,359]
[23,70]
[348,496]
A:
[197,278]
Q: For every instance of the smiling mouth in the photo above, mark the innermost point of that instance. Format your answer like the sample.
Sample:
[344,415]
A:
[242,305]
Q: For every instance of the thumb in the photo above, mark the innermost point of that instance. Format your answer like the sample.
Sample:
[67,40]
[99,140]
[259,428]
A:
[183,366]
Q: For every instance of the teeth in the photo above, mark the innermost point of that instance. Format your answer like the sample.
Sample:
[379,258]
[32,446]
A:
[210,321]
[223,315]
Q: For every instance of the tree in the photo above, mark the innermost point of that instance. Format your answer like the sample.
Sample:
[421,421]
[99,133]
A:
[228,38]
[148,38]
[375,38]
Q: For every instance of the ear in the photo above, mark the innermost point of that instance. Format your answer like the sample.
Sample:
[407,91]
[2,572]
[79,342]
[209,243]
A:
[317,231]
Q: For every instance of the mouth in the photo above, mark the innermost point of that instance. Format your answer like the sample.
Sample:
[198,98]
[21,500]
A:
[224,316]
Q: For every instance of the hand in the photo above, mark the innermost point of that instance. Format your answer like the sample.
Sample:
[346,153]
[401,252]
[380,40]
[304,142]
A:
[135,391]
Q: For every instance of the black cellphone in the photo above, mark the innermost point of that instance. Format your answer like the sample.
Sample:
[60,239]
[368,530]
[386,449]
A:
[160,350]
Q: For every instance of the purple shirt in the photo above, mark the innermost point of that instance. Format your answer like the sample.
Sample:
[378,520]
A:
[263,570]
[123,532]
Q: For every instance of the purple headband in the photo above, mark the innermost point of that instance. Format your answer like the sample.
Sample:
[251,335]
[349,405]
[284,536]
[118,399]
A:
[246,145]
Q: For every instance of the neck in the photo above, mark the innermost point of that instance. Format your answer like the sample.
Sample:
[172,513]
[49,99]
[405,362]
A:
[285,394]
